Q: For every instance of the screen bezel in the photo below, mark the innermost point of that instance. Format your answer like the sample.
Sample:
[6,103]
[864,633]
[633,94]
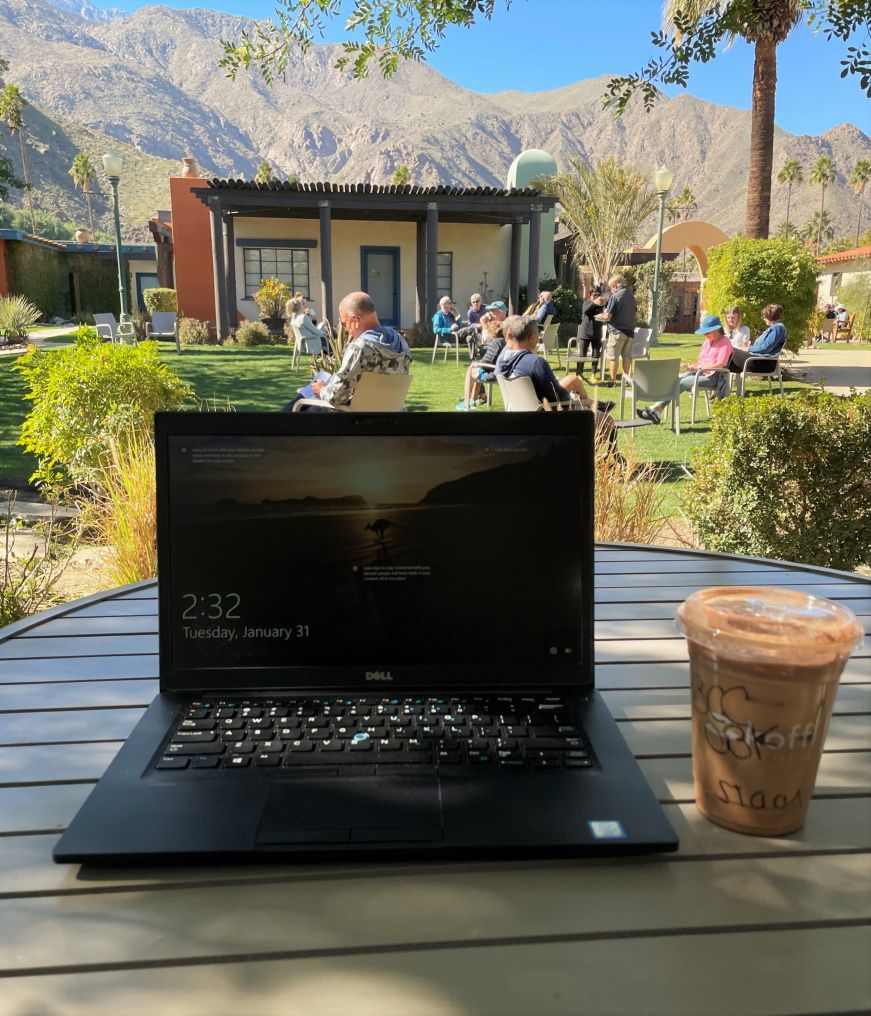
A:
[576,674]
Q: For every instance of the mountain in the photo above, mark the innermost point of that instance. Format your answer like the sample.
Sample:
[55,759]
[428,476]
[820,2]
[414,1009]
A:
[150,81]
[88,11]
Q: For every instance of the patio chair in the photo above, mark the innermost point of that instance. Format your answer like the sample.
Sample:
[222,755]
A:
[827,327]
[374,393]
[490,379]
[707,392]
[163,325]
[576,359]
[548,342]
[518,396]
[653,381]
[844,333]
[441,342]
[641,344]
[748,371]
[107,327]
[310,345]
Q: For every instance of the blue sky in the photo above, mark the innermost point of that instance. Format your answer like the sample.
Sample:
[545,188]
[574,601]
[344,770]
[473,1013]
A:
[542,44]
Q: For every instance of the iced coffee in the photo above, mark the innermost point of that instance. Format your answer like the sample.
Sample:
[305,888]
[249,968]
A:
[764,669]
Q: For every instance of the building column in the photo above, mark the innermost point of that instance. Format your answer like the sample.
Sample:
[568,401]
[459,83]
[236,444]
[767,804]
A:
[534,253]
[326,261]
[230,263]
[420,273]
[218,273]
[514,270]
[432,248]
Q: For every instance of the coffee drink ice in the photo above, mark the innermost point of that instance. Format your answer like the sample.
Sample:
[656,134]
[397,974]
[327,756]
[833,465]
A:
[764,668]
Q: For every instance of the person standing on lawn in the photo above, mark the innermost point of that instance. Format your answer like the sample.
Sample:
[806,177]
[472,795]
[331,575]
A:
[619,316]
[715,352]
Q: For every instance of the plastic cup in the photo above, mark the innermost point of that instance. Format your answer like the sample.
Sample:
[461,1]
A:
[764,668]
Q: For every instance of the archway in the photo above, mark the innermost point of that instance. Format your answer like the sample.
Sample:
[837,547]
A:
[695,235]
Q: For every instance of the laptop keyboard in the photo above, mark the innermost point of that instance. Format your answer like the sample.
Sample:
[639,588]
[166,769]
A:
[351,734]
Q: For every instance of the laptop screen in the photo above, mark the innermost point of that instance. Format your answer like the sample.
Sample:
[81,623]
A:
[304,552]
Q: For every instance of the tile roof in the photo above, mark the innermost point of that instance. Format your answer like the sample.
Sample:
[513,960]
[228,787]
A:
[373,188]
[846,255]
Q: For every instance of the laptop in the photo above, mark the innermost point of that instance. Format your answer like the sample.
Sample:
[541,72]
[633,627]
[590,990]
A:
[376,641]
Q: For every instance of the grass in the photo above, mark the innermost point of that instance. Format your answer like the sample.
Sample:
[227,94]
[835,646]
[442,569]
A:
[261,378]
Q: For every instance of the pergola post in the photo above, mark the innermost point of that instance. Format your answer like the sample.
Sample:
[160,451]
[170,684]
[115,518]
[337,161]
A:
[432,245]
[534,253]
[420,272]
[326,260]
[230,260]
[218,272]
[514,269]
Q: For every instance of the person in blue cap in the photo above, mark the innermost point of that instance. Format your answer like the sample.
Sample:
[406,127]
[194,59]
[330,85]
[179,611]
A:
[715,352]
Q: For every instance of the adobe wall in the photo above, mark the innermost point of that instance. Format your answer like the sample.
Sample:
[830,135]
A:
[192,242]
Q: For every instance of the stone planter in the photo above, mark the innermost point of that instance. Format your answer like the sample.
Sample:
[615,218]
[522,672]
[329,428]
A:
[276,327]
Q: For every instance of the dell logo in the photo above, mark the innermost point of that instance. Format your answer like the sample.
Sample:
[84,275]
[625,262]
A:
[379,675]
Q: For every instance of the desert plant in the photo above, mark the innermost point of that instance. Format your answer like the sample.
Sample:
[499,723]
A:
[628,499]
[420,334]
[81,396]
[754,273]
[271,298]
[17,314]
[27,583]
[252,333]
[160,299]
[193,332]
[787,478]
[120,509]
[331,360]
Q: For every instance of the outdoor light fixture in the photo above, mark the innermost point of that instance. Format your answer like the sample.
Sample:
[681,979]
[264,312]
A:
[662,179]
[112,163]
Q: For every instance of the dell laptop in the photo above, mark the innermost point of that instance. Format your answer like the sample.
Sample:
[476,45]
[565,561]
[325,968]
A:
[376,640]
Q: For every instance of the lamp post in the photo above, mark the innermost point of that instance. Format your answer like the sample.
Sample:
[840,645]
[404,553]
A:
[662,181]
[112,164]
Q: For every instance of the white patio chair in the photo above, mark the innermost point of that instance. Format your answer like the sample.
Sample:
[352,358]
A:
[707,392]
[440,342]
[641,344]
[488,384]
[309,345]
[107,326]
[374,393]
[518,396]
[653,381]
[548,342]
[748,371]
[163,325]
[576,358]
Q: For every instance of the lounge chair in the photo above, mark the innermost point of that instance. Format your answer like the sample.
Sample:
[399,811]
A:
[374,393]
[107,327]
[163,325]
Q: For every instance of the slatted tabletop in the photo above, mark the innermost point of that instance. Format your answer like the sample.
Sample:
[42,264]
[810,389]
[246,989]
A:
[729,923]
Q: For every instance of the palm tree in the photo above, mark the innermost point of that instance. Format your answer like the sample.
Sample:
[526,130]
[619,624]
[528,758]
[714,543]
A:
[818,226]
[603,206]
[12,104]
[786,231]
[764,24]
[858,179]
[264,173]
[82,171]
[823,173]
[790,174]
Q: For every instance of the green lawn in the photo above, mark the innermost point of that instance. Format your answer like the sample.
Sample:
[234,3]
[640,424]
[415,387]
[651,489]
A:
[261,378]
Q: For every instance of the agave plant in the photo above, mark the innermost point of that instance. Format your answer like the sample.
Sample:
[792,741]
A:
[17,314]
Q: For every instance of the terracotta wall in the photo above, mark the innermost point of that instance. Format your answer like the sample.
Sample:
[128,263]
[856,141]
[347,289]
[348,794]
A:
[192,240]
[4,283]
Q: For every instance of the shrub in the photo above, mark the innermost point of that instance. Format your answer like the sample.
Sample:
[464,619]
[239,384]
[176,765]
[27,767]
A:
[420,334]
[159,299]
[787,478]
[82,395]
[271,298]
[86,335]
[192,332]
[754,273]
[17,314]
[856,297]
[567,303]
[253,333]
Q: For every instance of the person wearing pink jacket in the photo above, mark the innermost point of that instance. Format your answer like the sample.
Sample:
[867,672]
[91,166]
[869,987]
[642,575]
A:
[715,352]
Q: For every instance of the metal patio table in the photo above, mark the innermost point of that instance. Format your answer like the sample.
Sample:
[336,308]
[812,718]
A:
[728,924]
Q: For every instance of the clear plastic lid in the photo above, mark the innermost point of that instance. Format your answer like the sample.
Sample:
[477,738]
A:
[769,622]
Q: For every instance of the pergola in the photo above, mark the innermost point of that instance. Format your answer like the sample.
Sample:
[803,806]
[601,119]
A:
[228,200]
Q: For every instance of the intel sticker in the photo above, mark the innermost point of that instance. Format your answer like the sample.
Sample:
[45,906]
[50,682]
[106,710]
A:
[607,830]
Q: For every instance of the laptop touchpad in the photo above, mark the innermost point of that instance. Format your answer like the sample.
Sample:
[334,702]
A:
[403,809]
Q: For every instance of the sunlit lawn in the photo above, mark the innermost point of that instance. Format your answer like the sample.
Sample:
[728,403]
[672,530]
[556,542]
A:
[261,378]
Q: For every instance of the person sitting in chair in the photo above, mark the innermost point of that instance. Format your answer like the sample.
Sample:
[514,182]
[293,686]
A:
[715,352]
[769,343]
[444,322]
[297,313]
[375,348]
[483,371]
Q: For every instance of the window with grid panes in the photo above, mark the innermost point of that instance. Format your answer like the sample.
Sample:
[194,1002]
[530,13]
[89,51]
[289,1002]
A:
[445,273]
[287,264]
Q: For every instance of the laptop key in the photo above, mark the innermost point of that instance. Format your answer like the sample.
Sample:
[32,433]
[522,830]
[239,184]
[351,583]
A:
[192,736]
[241,747]
[302,746]
[237,761]
[390,769]
[215,748]
[205,761]
[578,763]
[172,762]
[267,758]
[333,744]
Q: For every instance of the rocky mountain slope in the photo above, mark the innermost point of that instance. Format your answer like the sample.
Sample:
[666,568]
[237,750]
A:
[150,80]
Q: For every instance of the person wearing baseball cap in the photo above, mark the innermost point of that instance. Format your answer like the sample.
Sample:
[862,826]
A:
[715,352]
